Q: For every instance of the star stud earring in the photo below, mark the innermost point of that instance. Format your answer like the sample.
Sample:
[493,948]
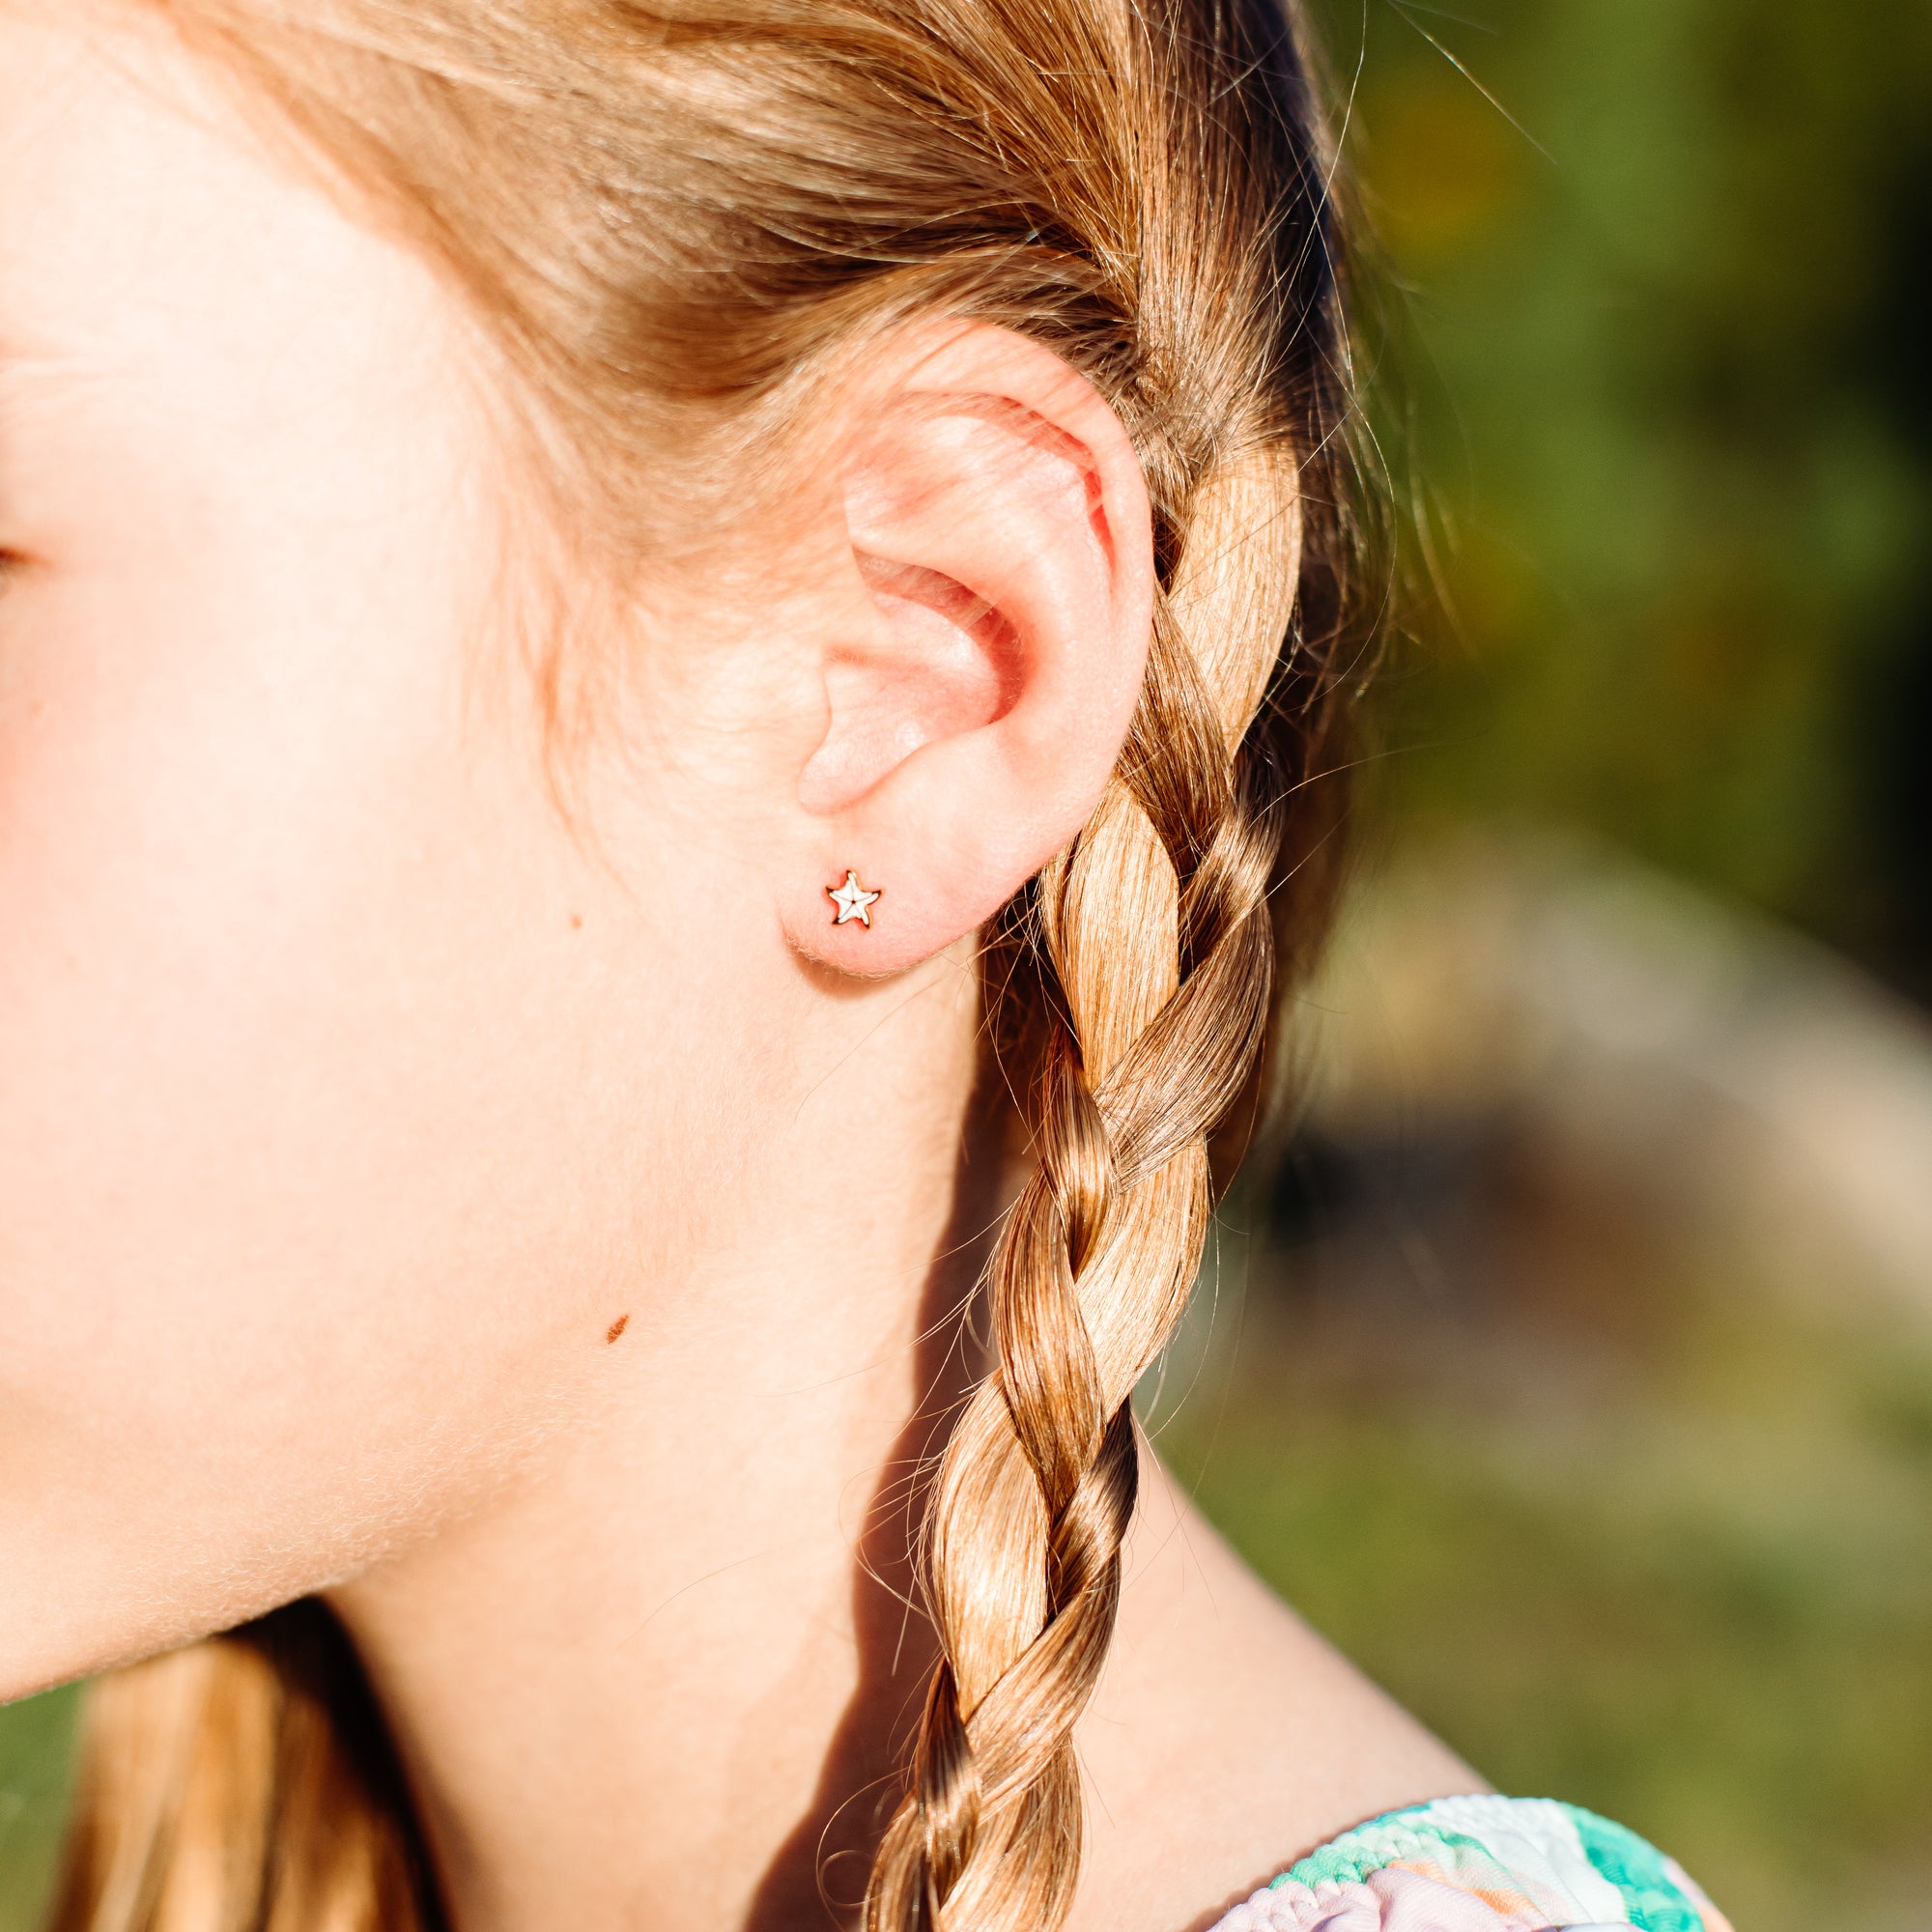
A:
[853,901]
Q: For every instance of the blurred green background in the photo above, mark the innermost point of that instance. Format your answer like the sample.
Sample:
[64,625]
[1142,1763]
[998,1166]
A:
[35,1751]
[1669,266]
[1571,1366]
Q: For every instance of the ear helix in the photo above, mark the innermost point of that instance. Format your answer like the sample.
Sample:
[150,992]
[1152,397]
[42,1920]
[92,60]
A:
[854,901]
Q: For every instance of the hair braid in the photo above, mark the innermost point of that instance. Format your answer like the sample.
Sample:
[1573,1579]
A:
[1152,931]
[1155,955]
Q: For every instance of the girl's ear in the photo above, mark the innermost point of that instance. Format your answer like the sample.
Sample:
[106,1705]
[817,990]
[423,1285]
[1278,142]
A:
[1001,547]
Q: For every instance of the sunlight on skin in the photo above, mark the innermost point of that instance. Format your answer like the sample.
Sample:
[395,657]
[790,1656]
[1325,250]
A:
[402,1190]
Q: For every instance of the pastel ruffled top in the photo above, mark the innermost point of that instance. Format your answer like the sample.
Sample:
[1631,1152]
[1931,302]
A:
[1481,1864]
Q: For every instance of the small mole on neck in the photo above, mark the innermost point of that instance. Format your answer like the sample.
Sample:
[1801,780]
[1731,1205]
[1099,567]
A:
[618,1327]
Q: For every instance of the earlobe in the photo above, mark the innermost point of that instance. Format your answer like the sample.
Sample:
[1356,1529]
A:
[977,695]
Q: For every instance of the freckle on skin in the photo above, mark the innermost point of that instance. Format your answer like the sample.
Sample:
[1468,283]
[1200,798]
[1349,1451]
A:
[577,922]
[618,1327]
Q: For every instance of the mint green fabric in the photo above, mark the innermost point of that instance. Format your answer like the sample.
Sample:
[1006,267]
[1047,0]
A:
[1480,1864]
[1639,1871]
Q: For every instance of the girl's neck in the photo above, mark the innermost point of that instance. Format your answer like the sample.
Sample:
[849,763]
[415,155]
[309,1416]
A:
[664,1672]
[663,1679]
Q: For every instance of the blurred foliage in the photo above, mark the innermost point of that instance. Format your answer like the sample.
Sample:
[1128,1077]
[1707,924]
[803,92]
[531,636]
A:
[1660,364]
[1654,376]
[1636,1541]
[36,1764]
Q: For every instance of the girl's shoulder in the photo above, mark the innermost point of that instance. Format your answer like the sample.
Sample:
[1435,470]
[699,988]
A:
[1481,1864]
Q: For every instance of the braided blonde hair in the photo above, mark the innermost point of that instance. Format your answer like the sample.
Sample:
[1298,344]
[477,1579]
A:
[682,212]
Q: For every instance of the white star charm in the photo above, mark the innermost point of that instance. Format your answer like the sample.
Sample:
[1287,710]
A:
[853,901]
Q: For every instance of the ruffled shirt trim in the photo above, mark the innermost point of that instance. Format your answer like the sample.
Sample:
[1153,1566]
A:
[1481,1864]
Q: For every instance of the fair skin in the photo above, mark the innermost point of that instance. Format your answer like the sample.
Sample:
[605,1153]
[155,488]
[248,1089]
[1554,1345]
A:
[355,1089]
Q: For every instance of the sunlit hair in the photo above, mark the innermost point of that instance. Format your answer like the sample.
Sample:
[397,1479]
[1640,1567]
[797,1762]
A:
[681,219]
